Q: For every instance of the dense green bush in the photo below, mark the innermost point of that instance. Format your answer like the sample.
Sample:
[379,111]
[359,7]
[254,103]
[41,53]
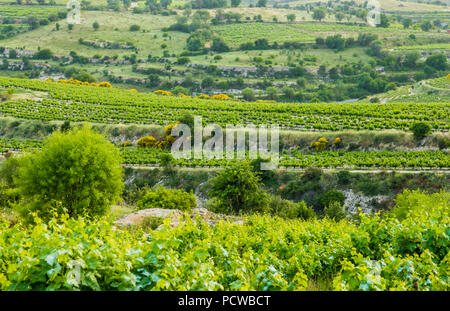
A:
[168,198]
[331,196]
[78,171]
[420,130]
[236,190]
[335,211]
[290,210]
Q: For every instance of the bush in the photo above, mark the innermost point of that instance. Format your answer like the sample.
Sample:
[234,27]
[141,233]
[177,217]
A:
[168,199]
[248,94]
[332,196]
[135,27]
[335,211]
[290,210]
[78,171]
[43,54]
[344,177]
[420,130]
[236,190]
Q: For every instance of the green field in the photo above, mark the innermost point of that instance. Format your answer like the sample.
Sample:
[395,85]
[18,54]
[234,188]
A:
[114,27]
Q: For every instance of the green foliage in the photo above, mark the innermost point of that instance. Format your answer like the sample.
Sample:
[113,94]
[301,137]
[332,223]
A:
[78,171]
[43,54]
[332,196]
[248,94]
[236,189]
[420,130]
[168,199]
[103,104]
[290,210]
[335,211]
[264,253]
[135,28]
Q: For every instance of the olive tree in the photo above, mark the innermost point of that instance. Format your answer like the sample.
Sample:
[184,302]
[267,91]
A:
[77,171]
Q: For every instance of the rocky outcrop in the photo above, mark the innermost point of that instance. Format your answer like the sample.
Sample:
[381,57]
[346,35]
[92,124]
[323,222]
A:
[176,216]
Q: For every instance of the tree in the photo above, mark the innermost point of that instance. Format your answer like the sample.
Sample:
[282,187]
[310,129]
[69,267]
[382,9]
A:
[261,3]
[165,3]
[272,92]
[407,22]
[332,196]
[219,45]
[78,171]
[290,17]
[235,3]
[384,21]
[126,3]
[195,42]
[154,80]
[288,92]
[32,21]
[248,94]
[236,190]
[135,27]
[207,82]
[426,26]
[339,16]
[437,61]
[43,54]
[420,130]
[319,13]
[95,25]
[411,59]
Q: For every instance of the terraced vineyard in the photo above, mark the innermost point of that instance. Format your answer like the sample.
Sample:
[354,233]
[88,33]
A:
[111,105]
[324,159]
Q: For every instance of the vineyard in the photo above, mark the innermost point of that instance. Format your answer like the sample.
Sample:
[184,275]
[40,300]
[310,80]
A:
[294,159]
[406,251]
[236,34]
[112,105]
[98,192]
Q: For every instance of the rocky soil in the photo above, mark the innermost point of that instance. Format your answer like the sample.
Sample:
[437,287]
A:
[175,216]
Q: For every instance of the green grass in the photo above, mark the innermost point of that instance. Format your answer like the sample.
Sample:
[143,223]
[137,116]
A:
[64,41]
[280,58]
[437,46]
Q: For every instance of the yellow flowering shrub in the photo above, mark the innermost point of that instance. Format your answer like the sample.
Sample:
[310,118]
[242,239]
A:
[162,92]
[220,97]
[320,144]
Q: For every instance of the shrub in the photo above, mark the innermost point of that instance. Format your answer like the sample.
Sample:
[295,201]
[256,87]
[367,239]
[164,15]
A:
[135,27]
[289,209]
[248,94]
[78,171]
[420,130]
[43,54]
[147,142]
[344,177]
[335,211]
[168,199]
[332,196]
[443,143]
[182,60]
[237,191]
[320,144]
